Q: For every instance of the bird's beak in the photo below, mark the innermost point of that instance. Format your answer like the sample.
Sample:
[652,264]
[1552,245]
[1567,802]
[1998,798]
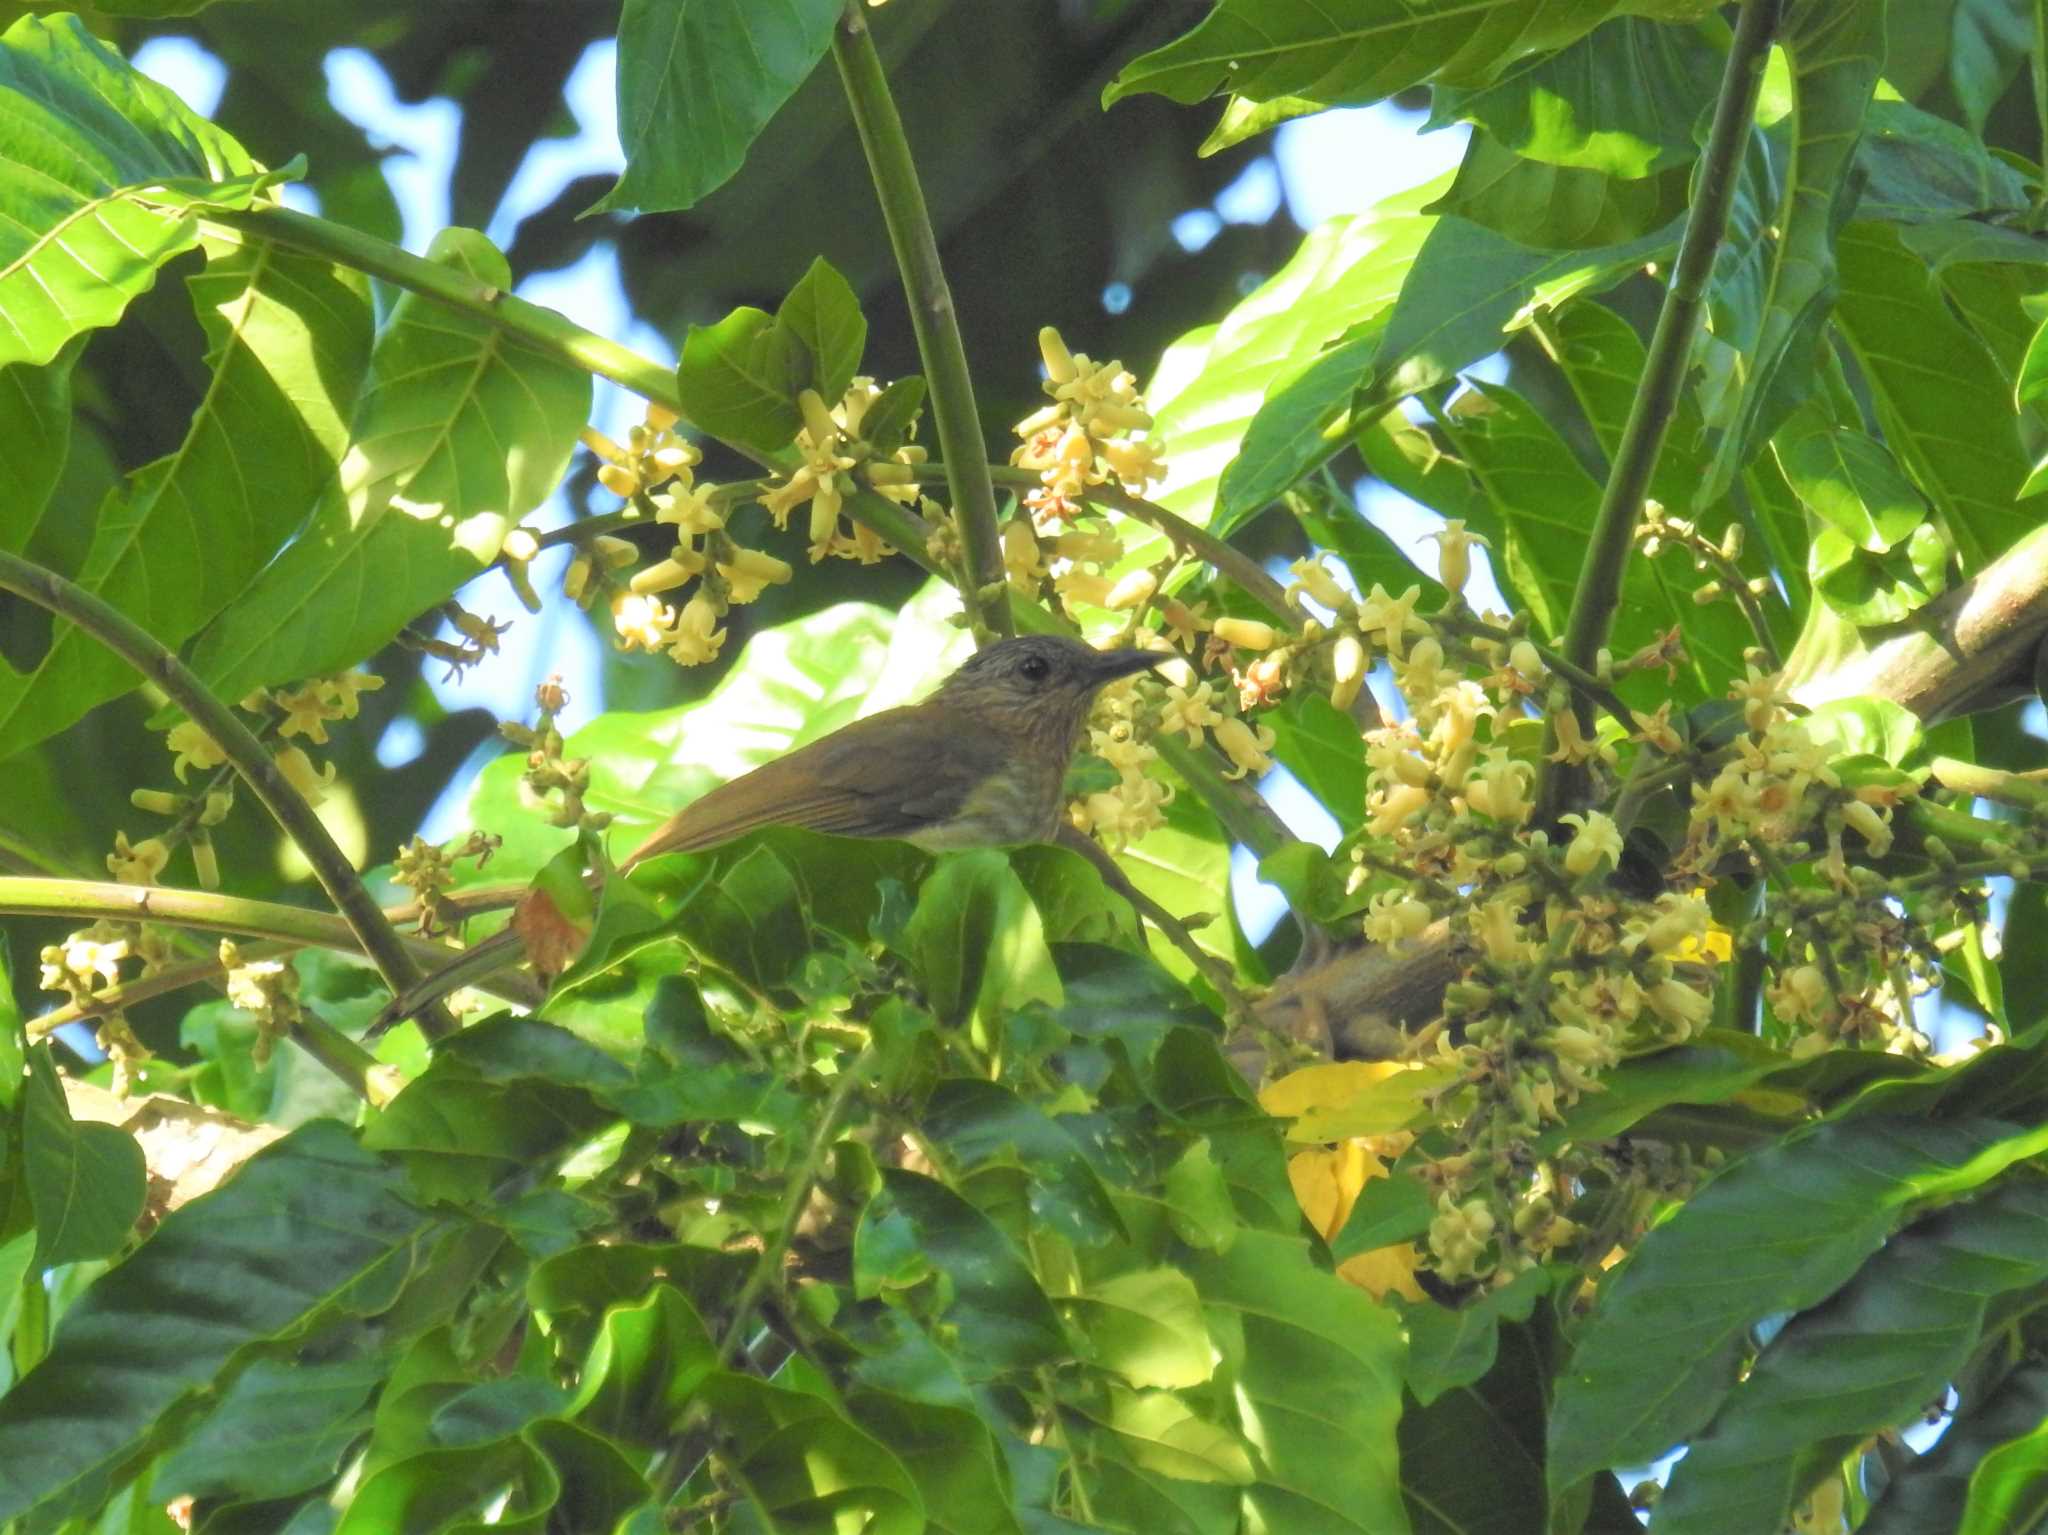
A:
[1112,664]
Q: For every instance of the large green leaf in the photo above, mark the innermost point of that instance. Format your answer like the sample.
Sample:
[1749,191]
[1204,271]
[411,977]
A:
[459,432]
[1558,207]
[1939,393]
[103,174]
[1495,1423]
[303,1223]
[1870,1359]
[739,379]
[1624,99]
[85,1181]
[182,537]
[1464,291]
[1363,50]
[1780,1230]
[698,79]
[804,1465]
[1207,390]
[977,942]
[1783,272]
[1314,1366]
[1918,168]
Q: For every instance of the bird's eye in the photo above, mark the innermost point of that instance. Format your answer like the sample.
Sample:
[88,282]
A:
[1035,668]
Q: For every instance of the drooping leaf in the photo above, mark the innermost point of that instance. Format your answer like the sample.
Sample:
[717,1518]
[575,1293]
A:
[804,1464]
[1362,52]
[976,939]
[103,175]
[1960,441]
[1318,1379]
[698,80]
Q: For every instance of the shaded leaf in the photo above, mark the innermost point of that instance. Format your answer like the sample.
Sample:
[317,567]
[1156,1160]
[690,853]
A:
[1779,1230]
[86,1182]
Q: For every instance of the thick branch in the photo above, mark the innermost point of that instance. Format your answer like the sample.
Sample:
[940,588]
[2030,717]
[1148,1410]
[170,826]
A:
[1968,650]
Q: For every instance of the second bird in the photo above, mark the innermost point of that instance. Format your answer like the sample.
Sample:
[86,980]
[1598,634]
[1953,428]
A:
[980,763]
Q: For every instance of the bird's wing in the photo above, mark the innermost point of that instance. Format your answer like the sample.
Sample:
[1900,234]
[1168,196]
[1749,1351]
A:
[884,776]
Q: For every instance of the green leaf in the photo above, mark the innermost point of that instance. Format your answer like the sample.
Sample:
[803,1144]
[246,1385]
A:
[35,421]
[1463,290]
[951,1454]
[103,174]
[802,1465]
[739,379]
[1960,441]
[1783,272]
[1452,1348]
[1919,168]
[1146,1326]
[1848,479]
[1779,1230]
[983,1125]
[648,1361]
[751,920]
[1989,41]
[1315,1368]
[698,81]
[916,1228]
[1320,743]
[1624,99]
[976,941]
[86,1182]
[306,1220]
[459,432]
[1495,1423]
[1870,1359]
[1360,52]
[181,538]
[1395,1208]
[279,1428]
[1558,207]
[823,313]
[1198,1202]
[1212,383]
[1162,1433]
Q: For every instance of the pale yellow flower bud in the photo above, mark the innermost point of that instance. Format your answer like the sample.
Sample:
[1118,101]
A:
[619,480]
[1134,590]
[1244,746]
[1059,362]
[1597,839]
[1347,662]
[1246,633]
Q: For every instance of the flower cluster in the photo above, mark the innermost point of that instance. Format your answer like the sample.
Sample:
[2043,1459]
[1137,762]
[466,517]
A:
[1093,429]
[1136,805]
[553,780]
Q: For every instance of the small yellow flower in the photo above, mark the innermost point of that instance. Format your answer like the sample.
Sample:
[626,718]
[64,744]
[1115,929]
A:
[750,572]
[1596,839]
[1244,746]
[1189,714]
[1454,553]
[300,773]
[192,747]
[140,864]
[642,620]
[697,637]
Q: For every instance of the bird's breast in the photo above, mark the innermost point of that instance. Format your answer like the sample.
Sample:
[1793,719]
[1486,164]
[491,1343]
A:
[1019,802]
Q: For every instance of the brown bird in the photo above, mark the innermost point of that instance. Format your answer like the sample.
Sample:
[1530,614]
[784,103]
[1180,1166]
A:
[980,763]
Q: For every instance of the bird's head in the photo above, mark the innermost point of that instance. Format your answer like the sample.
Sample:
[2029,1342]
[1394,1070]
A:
[1040,683]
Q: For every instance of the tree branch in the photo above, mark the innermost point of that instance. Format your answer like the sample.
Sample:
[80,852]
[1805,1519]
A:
[931,315]
[156,664]
[1649,418]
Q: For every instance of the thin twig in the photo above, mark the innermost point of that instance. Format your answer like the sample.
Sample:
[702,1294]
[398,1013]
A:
[795,1195]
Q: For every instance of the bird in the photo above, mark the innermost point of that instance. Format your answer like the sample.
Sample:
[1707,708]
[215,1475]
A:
[980,763]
